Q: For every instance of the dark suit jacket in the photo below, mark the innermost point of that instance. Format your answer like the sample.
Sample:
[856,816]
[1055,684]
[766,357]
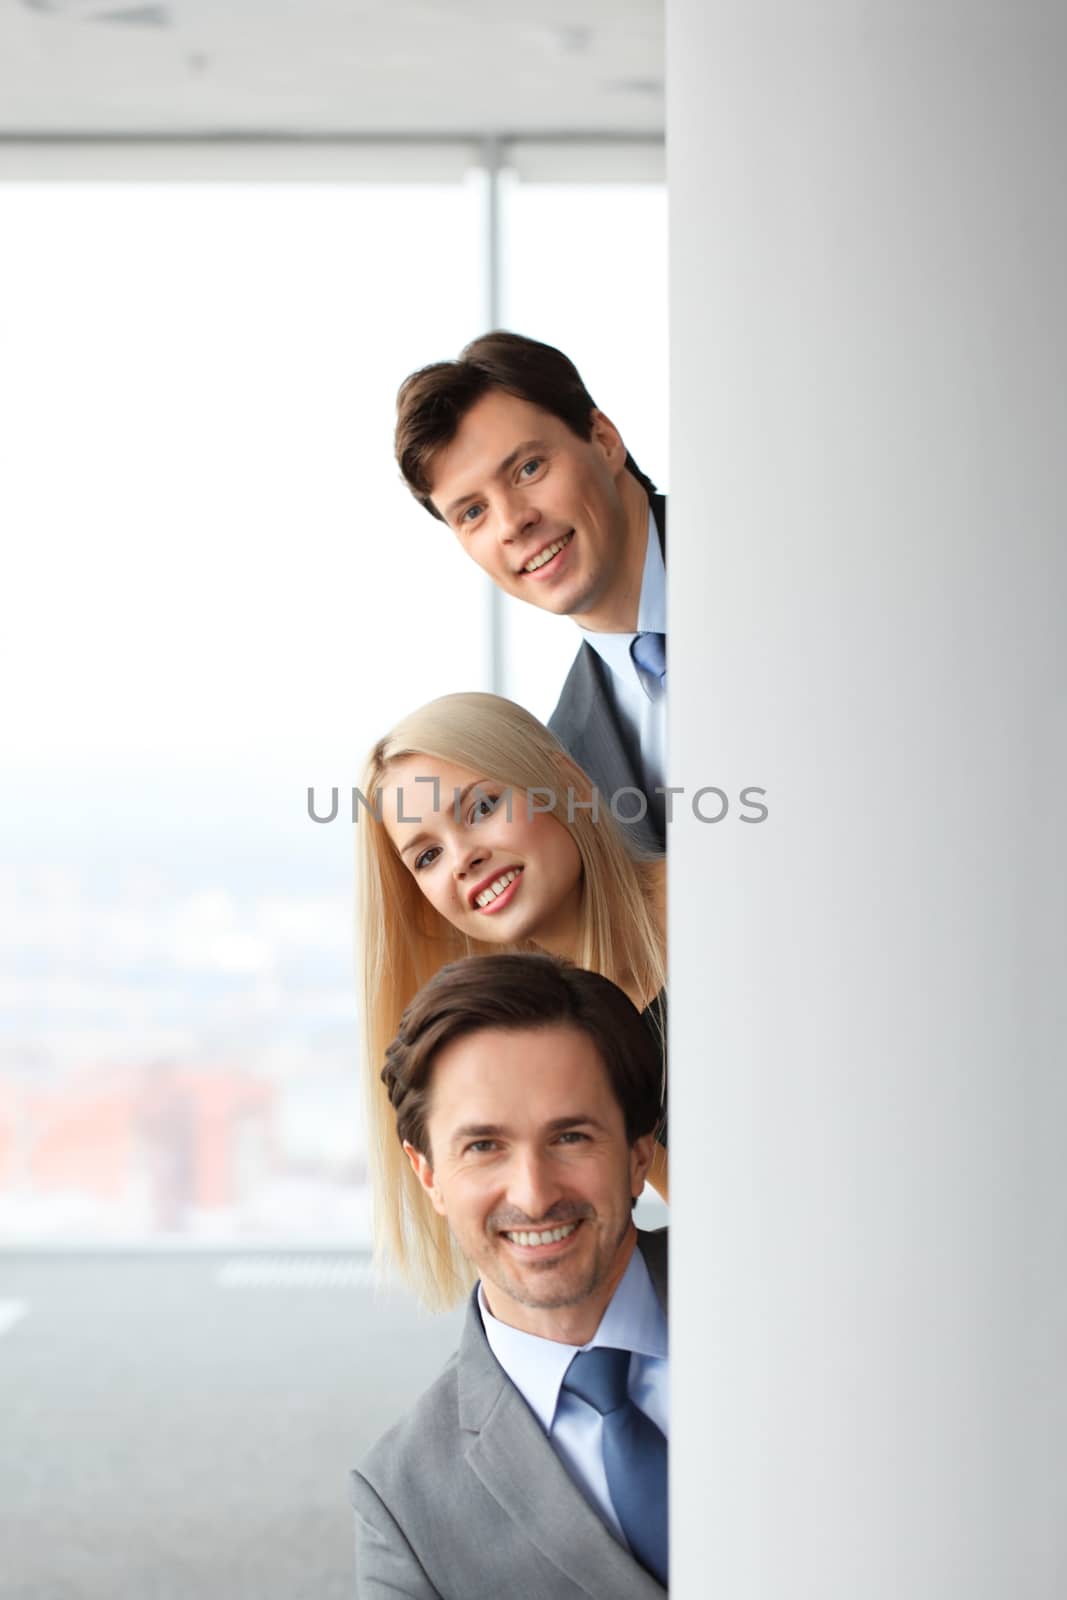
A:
[465,1499]
[586,722]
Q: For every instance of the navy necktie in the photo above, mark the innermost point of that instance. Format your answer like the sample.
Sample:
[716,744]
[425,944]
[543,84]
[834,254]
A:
[649,651]
[635,1453]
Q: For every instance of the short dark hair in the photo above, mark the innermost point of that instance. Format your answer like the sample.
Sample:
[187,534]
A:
[432,403]
[521,992]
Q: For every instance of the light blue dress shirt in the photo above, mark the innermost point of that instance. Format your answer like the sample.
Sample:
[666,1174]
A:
[639,698]
[634,1320]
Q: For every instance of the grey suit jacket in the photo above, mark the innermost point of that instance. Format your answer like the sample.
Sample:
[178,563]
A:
[586,722]
[465,1499]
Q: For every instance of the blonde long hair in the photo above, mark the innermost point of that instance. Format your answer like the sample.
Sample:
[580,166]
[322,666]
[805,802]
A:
[403,940]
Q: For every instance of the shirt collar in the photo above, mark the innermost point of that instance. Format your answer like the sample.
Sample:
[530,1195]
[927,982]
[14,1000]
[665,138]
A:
[633,1320]
[652,607]
[614,648]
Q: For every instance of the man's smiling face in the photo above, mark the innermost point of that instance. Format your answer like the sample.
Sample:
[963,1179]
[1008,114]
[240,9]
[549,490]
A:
[530,1164]
[539,509]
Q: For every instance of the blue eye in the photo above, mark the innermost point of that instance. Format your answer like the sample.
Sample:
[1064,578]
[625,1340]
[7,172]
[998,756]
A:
[483,807]
[534,462]
[426,858]
[573,1136]
[470,513]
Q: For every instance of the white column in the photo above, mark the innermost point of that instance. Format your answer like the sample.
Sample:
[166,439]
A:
[868,593]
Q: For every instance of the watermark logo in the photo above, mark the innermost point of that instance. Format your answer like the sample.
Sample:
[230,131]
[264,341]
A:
[628,805]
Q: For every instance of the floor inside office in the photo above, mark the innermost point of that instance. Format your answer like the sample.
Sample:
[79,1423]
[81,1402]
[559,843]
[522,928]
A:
[183,1426]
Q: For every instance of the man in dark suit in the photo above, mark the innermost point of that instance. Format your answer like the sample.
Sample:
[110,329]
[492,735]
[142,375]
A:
[526,1095]
[506,446]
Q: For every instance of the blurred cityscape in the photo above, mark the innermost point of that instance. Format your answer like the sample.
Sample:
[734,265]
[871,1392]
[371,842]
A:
[176,1064]
[199,628]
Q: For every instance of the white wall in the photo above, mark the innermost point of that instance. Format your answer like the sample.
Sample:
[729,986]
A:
[868,593]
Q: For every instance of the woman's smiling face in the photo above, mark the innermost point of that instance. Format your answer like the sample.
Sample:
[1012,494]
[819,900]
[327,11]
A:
[498,868]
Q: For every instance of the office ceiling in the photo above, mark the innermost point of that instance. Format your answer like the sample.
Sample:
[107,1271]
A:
[329,68]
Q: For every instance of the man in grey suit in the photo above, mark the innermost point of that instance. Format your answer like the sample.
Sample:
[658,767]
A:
[527,1095]
[506,446]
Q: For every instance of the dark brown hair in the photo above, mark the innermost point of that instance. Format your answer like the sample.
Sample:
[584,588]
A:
[432,402]
[520,992]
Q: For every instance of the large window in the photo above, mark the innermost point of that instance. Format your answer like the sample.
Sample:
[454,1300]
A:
[218,594]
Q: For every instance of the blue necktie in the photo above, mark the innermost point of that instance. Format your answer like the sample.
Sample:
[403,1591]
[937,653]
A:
[635,1453]
[649,651]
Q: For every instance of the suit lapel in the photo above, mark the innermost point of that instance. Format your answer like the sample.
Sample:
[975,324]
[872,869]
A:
[586,722]
[601,745]
[515,1463]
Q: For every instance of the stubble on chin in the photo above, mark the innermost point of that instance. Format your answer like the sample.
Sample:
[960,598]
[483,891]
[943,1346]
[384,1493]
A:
[549,1295]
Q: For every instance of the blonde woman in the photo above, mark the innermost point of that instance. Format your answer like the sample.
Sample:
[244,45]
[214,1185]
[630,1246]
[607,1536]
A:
[480,834]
